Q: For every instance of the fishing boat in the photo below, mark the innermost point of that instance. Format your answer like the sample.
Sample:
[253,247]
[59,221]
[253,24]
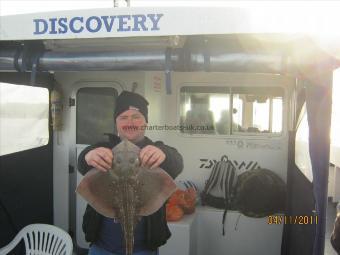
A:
[260,80]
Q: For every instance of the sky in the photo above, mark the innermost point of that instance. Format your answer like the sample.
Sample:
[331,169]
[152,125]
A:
[10,7]
[16,94]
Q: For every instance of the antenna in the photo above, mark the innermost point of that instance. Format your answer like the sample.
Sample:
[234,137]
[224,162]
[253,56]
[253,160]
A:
[116,3]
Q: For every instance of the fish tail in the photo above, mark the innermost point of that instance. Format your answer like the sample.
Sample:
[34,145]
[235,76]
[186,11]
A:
[129,243]
[129,219]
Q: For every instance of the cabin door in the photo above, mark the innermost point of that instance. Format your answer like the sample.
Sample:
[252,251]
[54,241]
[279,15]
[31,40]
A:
[94,123]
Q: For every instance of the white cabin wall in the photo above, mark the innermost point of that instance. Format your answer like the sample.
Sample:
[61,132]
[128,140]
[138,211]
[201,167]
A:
[65,149]
[60,168]
[155,93]
[269,151]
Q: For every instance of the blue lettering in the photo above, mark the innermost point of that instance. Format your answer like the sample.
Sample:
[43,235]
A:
[106,22]
[123,19]
[139,22]
[93,24]
[72,28]
[53,27]
[39,31]
[99,24]
[155,19]
[62,22]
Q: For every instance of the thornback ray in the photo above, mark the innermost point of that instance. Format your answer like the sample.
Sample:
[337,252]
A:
[127,191]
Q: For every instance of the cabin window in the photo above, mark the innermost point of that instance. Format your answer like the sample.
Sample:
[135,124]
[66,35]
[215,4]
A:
[257,110]
[95,108]
[24,112]
[231,110]
[335,127]
[302,157]
[203,109]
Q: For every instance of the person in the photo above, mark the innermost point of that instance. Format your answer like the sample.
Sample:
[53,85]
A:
[199,120]
[105,234]
[223,125]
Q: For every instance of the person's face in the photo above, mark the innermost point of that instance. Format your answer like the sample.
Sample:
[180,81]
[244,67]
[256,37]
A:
[131,125]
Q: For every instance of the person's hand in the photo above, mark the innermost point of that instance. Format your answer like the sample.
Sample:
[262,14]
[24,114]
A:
[100,158]
[151,156]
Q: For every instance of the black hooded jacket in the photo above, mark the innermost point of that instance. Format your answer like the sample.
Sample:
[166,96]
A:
[157,231]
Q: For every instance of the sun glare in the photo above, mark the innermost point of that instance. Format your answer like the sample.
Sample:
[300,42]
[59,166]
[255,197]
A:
[335,134]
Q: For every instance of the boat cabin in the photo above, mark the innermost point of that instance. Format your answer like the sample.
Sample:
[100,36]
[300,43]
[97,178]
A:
[220,84]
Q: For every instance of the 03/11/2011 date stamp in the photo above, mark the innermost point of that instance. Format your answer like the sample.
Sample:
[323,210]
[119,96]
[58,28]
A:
[292,219]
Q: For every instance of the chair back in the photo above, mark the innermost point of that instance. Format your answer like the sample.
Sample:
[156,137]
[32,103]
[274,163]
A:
[42,239]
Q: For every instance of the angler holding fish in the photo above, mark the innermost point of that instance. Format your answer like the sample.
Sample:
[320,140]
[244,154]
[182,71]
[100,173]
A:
[127,189]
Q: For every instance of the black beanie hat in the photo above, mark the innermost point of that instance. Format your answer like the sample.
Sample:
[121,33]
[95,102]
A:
[128,100]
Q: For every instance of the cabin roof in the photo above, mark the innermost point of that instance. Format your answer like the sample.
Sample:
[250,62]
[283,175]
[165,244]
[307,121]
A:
[164,21]
[252,30]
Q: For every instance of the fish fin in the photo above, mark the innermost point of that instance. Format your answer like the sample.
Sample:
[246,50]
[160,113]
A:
[156,186]
[97,189]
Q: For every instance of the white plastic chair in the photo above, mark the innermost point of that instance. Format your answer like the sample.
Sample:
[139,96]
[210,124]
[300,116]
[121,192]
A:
[42,239]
